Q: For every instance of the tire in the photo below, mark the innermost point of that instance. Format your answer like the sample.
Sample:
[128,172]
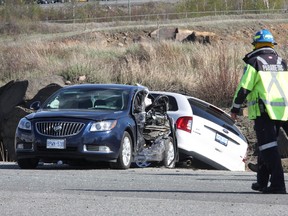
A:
[28,163]
[125,156]
[169,154]
[142,164]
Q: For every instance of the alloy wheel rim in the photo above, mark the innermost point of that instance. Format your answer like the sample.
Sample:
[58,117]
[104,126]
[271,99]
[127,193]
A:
[126,151]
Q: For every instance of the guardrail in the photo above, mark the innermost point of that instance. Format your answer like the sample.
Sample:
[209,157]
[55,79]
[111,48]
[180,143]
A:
[168,16]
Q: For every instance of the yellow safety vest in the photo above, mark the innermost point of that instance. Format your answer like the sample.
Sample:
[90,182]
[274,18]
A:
[270,84]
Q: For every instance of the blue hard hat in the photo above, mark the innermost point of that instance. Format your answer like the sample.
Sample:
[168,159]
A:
[263,36]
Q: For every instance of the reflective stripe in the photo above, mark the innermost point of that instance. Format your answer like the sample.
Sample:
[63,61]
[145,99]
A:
[268,145]
[277,104]
[262,60]
[236,105]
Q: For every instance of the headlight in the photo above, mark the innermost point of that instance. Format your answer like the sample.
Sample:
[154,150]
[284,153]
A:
[103,125]
[24,124]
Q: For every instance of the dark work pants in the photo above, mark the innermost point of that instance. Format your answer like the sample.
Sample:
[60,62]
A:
[269,160]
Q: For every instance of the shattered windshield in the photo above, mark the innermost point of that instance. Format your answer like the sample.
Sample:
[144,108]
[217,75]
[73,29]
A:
[108,99]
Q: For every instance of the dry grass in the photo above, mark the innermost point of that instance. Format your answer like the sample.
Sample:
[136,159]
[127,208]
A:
[220,72]
[209,72]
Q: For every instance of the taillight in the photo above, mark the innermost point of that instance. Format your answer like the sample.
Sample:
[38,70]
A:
[184,123]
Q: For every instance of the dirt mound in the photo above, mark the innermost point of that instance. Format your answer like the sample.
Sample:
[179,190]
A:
[239,30]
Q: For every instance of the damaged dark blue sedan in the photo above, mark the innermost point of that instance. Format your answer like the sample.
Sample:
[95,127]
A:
[97,122]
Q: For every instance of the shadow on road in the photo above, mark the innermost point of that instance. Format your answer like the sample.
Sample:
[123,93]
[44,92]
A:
[55,166]
[167,191]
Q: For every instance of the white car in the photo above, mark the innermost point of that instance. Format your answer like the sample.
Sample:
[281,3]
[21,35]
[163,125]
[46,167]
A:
[206,133]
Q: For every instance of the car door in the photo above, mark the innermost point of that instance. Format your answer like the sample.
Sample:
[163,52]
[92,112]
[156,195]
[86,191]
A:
[218,139]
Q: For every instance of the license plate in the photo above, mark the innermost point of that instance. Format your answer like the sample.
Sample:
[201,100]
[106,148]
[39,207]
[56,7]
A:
[56,144]
[221,139]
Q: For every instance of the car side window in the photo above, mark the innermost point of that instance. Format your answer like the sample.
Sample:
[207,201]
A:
[173,106]
[138,104]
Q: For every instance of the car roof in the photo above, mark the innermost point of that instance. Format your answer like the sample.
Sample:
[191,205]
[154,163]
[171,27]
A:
[174,94]
[112,86]
[179,95]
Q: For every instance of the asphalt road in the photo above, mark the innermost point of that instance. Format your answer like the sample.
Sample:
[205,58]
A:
[61,190]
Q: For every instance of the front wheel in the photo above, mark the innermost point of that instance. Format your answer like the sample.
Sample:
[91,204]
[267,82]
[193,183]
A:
[28,163]
[169,154]
[125,156]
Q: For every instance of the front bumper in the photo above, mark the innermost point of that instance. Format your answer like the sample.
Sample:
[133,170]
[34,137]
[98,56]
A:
[92,146]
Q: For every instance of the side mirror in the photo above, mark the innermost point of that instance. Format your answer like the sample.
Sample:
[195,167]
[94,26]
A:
[35,105]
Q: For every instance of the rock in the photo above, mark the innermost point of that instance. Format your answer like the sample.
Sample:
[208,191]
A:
[67,82]
[37,84]
[7,131]
[201,37]
[15,98]
[43,94]
[167,33]
[11,95]
[182,34]
[120,44]
[81,78]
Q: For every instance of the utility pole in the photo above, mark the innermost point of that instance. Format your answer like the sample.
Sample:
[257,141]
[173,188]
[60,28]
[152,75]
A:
[129,9]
